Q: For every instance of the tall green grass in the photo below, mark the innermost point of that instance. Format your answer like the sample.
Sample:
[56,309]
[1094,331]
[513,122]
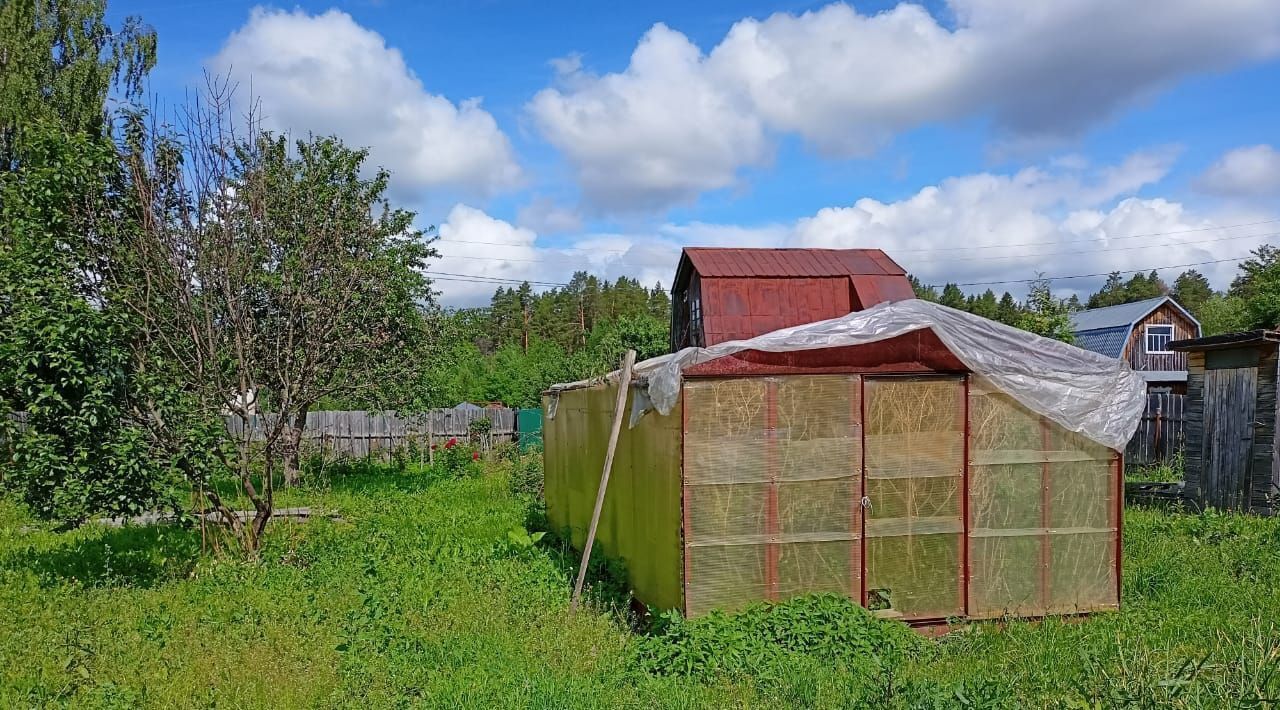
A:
[427,594]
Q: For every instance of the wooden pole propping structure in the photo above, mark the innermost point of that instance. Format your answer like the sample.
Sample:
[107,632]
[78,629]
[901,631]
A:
[624,384]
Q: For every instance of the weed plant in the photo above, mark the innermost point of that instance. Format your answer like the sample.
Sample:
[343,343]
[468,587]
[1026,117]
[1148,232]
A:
[432,591]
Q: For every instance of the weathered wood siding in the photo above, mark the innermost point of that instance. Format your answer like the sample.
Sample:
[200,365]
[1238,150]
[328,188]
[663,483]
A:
[1265,484]
[1193,462]
[1135,349]
[1161,433]
[1230,398]
[1231,412]
[362,434]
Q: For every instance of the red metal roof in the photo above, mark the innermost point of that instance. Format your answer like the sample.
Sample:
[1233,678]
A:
[791,263]
[748,292]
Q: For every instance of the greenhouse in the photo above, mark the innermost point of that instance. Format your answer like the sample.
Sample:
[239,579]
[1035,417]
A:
[925,462]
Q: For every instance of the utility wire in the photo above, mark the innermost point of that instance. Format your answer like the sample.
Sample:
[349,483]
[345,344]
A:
[942,258]
[1104,273]
[910,251]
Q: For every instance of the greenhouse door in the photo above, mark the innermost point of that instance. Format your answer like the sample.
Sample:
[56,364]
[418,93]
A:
[913,505]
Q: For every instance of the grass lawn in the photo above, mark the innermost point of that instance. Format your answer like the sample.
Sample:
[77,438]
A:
[423,596]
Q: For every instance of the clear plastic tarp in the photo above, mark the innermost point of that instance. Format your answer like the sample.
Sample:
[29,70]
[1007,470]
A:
[1081,391]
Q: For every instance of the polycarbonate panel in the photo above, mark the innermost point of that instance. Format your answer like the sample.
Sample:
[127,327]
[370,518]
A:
[1005,497]
[1042,529]
[914,466]
[772,489]
[1082,572]
[1004,575]
[725,514]
[725,429]
[812,567]
[1082,495]
[726,577]
[918,574]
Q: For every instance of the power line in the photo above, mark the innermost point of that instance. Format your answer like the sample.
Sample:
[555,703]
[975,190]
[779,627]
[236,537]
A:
[945,258]
[1104,273]
[480,278]
[912,251]
[1097,239]
[1102,251]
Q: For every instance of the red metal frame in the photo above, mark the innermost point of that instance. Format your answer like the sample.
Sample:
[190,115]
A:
[862,491]
[916,353]
[684,508]
[965,512]
[771,550]
[1119,513]
[1046,553]
[855,504]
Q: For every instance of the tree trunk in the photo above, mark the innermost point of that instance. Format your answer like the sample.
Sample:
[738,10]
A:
[292,448]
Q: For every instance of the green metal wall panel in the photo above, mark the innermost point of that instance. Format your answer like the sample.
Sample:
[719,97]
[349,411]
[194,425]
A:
[640,522]
[528,428]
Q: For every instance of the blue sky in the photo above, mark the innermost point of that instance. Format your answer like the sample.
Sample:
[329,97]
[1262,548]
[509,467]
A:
[973,140]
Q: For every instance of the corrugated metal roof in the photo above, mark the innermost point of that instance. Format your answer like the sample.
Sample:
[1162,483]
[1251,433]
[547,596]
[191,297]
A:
[791,263]
[1125,314]
[873,289]
[1104,341]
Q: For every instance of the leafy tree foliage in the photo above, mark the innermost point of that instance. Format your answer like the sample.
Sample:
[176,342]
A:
[1116,290]
[1258,286]
[525,341]
[923,291]
[984,305]
[952,297]
[267,268]
[1005,310]
[59,62]
[63,360]
[1191,290]
[1045,314]
[1223,313]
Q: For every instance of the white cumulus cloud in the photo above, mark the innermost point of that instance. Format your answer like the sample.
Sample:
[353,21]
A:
[327,74]
[1062,219]
[678,121]
[659,133]
[1252,171]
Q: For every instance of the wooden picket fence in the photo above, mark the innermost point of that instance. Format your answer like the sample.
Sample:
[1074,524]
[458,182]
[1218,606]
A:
[360,434]
[1161,434]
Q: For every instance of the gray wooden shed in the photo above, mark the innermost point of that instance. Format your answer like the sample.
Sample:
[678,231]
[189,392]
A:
[1231,413]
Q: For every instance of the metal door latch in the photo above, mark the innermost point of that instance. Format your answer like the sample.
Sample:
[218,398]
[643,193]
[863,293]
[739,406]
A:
[866,503]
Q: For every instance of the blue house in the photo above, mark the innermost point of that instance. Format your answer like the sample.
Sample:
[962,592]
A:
[1140,333]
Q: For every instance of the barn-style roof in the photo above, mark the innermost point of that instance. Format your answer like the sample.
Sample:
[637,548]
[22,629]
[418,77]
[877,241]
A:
[715,262]
[1105,330]
[743,293]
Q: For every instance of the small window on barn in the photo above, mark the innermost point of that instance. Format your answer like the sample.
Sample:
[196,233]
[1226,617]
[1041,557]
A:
[1158,337]
[695,320]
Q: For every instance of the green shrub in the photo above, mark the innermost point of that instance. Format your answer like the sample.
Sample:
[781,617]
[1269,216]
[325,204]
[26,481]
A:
[526,476]
[454,459]
[827,627]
